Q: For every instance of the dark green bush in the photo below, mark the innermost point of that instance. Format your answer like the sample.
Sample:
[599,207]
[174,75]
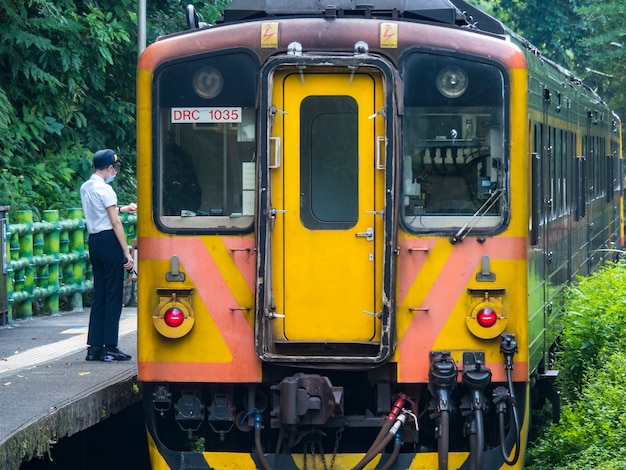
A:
[592,430]
[592,361]
[593,323]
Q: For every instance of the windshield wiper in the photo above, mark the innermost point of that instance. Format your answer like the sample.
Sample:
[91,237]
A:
[471,223]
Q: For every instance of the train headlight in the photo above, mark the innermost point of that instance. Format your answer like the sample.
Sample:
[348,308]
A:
[174,317]
[487,318]
[208,82]
[452,81]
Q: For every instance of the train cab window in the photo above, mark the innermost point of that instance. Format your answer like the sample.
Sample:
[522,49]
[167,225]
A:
[454,158]
[204,176]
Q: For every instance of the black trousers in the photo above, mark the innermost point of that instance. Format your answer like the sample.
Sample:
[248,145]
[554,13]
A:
[107,260]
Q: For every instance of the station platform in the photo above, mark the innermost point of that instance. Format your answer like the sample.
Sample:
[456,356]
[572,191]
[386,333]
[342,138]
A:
[47,389]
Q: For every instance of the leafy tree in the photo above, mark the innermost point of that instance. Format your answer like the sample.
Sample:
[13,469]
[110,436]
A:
[582,35]
[553,27]
[67,75]
[169,16]
[63,92]
[602,50]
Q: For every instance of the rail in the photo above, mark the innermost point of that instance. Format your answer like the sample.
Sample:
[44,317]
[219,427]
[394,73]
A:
[46,264]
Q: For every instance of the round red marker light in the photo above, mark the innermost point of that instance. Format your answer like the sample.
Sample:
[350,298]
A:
[486,317]
[174,317]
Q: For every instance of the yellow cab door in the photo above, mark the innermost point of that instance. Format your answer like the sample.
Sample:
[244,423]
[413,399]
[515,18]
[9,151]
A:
[327,190]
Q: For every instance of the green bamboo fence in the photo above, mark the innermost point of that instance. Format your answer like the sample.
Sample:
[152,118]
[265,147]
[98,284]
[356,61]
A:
[47,263]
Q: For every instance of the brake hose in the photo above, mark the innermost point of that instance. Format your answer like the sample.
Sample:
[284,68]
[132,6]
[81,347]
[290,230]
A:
[508,348]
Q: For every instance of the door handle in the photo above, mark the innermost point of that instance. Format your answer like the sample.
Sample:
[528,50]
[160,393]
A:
[381,157]
[368,234]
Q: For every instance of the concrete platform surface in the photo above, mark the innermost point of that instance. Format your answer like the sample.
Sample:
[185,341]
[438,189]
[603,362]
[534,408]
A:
[47,389]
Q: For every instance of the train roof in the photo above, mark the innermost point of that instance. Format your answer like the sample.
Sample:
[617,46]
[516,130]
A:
[450,12]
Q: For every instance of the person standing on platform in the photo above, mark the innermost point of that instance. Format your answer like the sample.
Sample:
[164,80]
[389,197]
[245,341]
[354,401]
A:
[109,255]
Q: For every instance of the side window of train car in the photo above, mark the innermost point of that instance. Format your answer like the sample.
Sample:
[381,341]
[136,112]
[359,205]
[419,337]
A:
[454,131]
[204,178]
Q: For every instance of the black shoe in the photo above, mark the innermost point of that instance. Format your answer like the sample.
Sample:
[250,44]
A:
[111,354]
[94,353]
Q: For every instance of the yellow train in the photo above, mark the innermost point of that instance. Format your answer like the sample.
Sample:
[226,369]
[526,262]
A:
[356,224]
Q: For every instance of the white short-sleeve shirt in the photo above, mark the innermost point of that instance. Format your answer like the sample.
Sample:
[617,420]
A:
[96,196]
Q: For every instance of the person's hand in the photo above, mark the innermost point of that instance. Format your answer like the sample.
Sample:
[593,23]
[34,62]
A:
[129,265]
[131,208]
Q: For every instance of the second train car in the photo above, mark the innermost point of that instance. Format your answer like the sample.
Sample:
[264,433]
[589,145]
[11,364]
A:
[356,223]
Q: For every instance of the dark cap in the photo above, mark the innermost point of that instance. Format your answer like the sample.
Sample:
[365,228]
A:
[104,158]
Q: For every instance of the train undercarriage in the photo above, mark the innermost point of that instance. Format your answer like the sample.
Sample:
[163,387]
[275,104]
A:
[308,418]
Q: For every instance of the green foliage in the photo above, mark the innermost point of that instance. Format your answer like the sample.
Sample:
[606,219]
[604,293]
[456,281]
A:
[170,16]
[592,365]
[553,27]
[210,11]
[64,75]
[592,326]
[602,58]
[67,75]
[583,35]
[593,429]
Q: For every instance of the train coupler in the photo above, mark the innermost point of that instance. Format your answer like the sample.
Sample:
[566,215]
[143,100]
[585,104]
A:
[476,377]
[221,415]
[162,399]
[309,399]
[442,378]
[189,412]
[441,381]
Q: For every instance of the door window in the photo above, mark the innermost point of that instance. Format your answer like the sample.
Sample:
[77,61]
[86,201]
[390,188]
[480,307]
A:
[329,162]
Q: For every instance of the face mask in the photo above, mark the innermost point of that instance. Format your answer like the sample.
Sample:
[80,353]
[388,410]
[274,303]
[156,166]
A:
[109,179]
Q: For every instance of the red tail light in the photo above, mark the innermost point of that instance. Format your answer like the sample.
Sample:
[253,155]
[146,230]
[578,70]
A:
[486,317]
[174,317]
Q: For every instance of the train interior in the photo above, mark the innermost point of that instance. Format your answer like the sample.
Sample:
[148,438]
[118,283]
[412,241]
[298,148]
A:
[452,167]
[208,176]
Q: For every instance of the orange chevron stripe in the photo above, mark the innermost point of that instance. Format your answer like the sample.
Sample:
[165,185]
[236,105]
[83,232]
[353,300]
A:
[413,255]
[448,287]
[244,255]
[209,283]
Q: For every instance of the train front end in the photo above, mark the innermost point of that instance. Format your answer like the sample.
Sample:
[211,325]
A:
[333,263]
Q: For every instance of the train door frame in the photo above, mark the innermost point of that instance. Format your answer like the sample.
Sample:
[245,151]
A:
[266,314]
[327,244]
